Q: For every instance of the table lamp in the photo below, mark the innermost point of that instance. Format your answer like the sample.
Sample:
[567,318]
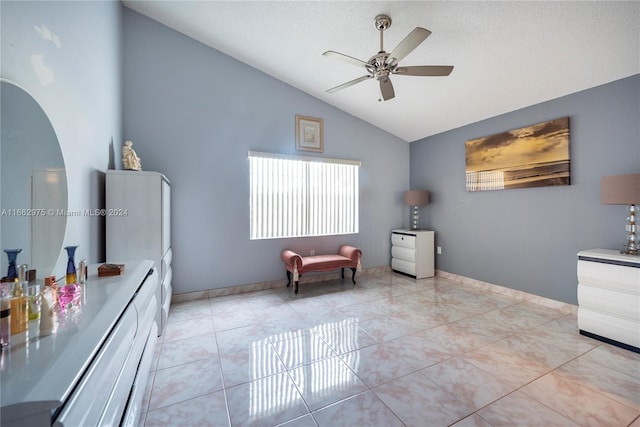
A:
[624,190]
[416,198]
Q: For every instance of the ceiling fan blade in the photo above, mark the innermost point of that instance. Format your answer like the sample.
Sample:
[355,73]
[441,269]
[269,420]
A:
[349,83]
[425,70]
[386,88]
[406,46]
[346,58]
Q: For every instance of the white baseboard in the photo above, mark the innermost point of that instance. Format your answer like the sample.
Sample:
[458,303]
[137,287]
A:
[524,296]
[313,278]
[261,286]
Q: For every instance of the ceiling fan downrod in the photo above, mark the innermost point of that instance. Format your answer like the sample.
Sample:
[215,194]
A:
[377,64]
[382,22]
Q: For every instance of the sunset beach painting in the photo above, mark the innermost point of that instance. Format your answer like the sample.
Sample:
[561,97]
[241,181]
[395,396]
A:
[532,156]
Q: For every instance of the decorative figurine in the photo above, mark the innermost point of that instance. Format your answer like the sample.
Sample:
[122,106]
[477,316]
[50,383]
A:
[47,322]
[130,159]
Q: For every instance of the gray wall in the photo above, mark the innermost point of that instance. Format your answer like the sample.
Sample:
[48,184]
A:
[527,239]
[67,56]
[193,113]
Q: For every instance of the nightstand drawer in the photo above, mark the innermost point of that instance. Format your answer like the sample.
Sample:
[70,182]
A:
[617,278]
[403,240]
[403,266]
[403,253]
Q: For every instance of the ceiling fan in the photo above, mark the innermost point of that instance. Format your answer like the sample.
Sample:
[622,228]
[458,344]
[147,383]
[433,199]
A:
[382,65]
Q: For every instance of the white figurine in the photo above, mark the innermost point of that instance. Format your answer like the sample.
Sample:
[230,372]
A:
[47,322]
[130,159]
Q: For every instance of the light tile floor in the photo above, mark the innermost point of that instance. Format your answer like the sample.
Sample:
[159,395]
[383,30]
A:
[390,351]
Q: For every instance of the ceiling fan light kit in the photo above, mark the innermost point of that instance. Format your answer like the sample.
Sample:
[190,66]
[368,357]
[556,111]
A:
[382,65]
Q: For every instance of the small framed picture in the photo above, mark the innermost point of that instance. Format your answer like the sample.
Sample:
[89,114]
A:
[309,134]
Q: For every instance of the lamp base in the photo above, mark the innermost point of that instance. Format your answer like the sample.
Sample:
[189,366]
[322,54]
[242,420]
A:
[634,252]
[414,225]
[632,247]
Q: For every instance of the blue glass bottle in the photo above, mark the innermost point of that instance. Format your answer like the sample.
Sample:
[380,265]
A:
[71,277]
[12,273]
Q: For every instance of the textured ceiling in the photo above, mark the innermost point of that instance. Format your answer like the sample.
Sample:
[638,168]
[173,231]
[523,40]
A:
[507,54]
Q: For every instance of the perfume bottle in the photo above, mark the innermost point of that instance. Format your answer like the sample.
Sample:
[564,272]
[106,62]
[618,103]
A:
[5,314]
[12,254]
[71,277]
[53,285]
[19,309]
[82,266]
[35,298]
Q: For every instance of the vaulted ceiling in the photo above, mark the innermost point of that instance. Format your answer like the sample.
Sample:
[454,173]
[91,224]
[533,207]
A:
[506,54]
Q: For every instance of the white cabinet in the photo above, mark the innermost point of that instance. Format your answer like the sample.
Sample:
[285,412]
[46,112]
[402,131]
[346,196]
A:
[139,226]
[609,297]
[412,252]
[92,370]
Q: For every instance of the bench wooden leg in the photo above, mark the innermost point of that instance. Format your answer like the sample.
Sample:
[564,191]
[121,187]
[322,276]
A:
[353,274]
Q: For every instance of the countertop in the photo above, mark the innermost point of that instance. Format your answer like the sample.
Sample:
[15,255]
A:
[39,370]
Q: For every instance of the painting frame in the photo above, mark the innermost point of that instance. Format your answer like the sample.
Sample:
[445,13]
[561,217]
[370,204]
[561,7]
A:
[537,155]
[309,134]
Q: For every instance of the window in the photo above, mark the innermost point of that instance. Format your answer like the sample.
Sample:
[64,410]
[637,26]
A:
[296,196]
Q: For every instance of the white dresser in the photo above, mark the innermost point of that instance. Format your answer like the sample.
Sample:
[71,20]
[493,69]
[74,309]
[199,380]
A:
[139,226]
[609,297]
[93,369]
[412,252]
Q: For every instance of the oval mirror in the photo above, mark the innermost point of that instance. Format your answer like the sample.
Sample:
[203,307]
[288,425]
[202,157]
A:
[33,183]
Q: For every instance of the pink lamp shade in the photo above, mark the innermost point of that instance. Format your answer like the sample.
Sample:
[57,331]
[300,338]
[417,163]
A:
[416,198]
[620,190]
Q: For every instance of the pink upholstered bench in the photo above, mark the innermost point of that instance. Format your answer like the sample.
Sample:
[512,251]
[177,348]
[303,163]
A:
[347,257]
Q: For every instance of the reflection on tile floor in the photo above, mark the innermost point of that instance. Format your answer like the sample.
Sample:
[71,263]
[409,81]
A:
[390,351]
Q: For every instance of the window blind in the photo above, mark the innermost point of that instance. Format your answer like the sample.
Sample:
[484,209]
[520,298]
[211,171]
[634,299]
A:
[297,196]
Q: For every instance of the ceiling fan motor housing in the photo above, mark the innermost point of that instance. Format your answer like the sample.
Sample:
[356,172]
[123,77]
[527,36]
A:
[379,67]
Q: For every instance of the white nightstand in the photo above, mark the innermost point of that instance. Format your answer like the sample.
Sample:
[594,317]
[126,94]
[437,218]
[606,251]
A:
[609,297]
[412,252]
